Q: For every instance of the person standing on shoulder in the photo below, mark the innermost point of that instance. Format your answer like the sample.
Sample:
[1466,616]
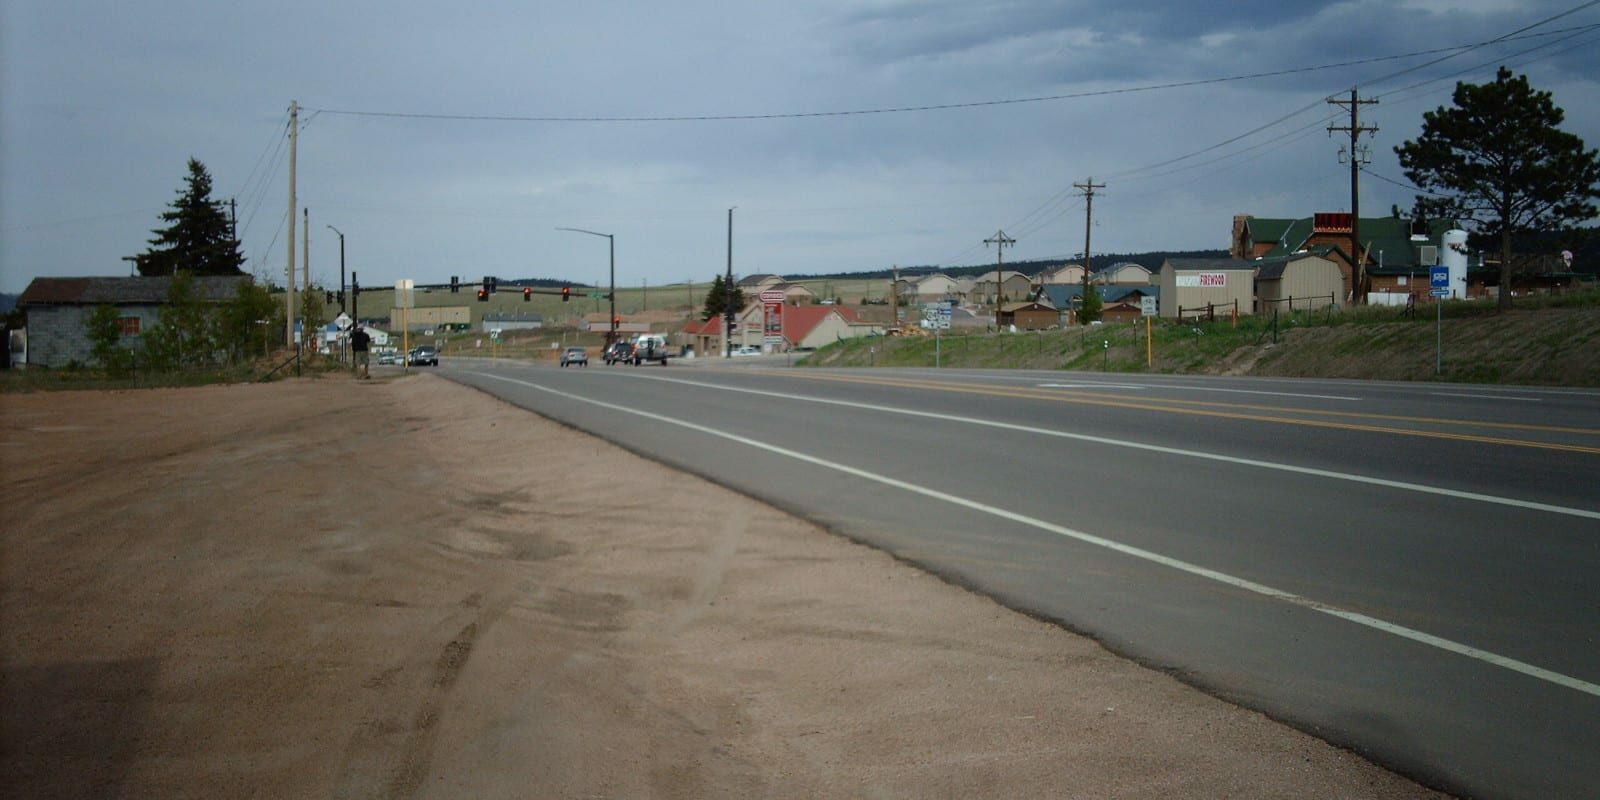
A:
[359,343]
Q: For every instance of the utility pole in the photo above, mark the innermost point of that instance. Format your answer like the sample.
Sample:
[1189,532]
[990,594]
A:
[894,296]
[233,219]
[341,266]
[1088,188]
[1000,242]
[728,312]
[294,129]
[305,249]
[1358,156]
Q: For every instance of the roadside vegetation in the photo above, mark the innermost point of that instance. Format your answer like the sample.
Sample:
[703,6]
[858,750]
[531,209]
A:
[1546,339]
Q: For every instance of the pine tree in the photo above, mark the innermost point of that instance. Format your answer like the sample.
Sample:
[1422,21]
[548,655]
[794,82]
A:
[721,297]
[198,239]
[1498,161]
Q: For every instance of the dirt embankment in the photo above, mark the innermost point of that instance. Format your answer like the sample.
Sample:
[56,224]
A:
[407,589]
[1559,346]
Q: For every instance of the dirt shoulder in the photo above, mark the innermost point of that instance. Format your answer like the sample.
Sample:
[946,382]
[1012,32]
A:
[408,589]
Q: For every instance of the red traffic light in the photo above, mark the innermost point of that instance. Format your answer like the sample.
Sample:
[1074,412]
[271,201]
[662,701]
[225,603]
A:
[483,295]
[527,294]
[615,321]
[566,293]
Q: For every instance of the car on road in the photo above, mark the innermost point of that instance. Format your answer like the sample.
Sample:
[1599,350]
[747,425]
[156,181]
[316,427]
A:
[619,353]
[575,355]
[747,350]
[386,358]
[423,355]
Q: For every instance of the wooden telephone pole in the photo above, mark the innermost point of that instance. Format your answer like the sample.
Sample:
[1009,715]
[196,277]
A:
[1000,241]
[1087,188]
[1358,261]
[294,129]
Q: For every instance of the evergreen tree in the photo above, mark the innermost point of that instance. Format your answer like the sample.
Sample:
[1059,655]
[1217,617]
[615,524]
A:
[198,238]
[1498,161]
[719,298]
[1092,306]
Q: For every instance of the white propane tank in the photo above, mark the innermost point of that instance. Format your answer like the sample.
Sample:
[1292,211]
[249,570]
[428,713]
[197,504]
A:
[1453,254]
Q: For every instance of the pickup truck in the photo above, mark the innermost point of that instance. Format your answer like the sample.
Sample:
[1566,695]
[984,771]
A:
[650,347]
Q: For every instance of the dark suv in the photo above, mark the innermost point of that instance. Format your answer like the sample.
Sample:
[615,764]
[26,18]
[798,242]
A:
[619,353]
[423,355]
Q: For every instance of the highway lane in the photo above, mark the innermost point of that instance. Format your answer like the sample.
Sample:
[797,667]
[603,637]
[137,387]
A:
[1396,567]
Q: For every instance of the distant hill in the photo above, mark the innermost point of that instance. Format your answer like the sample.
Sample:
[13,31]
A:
[1151,261]
[8,303]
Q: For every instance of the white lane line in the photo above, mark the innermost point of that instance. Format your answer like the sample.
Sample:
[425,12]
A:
[1488,397]
[1439,491]
[1129,550]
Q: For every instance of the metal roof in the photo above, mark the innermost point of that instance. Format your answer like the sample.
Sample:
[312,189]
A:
[126,291]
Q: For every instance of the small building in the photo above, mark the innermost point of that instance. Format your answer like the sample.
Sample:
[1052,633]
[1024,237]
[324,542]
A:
[1301,281]
[431,317]
[1013,286]
[1030,316]
[1192,286]
[809,327]
[793,293]
[759,282]
[58,307]
[1062,275]
[1122,273]
[1069,298]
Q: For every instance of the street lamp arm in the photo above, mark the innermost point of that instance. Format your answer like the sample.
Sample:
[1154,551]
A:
[580,230]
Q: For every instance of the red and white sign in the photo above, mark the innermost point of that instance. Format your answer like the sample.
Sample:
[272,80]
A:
[1204,280]
[772,318]
[772,296]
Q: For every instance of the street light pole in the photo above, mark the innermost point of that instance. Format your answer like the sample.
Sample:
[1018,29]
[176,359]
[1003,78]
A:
[341,267]
[611,335]
[728,311]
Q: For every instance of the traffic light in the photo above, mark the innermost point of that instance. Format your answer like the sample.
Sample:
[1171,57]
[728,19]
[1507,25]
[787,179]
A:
[455,284]
[328,296]
[615,321]
[566,293]
[341,297]
[483,295]
[488,283]
[527,294]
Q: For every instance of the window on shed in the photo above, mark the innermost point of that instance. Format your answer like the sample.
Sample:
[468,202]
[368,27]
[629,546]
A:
[129,326]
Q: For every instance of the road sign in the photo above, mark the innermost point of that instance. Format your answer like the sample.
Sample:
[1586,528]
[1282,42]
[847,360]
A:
[772,296]
[403,297]
[1147,306]
[343,321]
[1438,292]
[596,294]
[1439,278]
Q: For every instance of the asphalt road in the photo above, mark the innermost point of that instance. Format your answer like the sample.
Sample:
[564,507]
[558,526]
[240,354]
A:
[1409,570]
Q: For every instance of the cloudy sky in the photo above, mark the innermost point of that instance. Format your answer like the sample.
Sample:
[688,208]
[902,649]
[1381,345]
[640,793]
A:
[485,126]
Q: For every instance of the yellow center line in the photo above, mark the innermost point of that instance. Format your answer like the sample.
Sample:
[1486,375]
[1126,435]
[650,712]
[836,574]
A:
[1207,409]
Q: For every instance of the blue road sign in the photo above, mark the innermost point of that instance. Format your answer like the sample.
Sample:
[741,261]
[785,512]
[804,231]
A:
[1439,277]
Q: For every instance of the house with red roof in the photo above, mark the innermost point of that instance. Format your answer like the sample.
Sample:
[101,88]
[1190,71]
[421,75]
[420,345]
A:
[804,327]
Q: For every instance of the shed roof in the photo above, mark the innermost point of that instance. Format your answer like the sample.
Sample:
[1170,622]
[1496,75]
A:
[125,291]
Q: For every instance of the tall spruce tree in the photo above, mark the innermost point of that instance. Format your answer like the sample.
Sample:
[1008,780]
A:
[198,238]
[721,296]
[1498,161]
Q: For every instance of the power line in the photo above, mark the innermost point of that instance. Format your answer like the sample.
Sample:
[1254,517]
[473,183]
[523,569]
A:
[1455,50]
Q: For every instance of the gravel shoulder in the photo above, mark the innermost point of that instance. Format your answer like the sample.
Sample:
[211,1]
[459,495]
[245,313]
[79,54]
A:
[404,588]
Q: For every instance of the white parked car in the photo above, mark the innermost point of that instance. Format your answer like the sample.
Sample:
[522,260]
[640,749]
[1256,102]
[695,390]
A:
[747,350]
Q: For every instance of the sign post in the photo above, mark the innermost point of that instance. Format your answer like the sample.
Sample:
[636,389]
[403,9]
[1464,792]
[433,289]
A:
[1439,283]
[403,297]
